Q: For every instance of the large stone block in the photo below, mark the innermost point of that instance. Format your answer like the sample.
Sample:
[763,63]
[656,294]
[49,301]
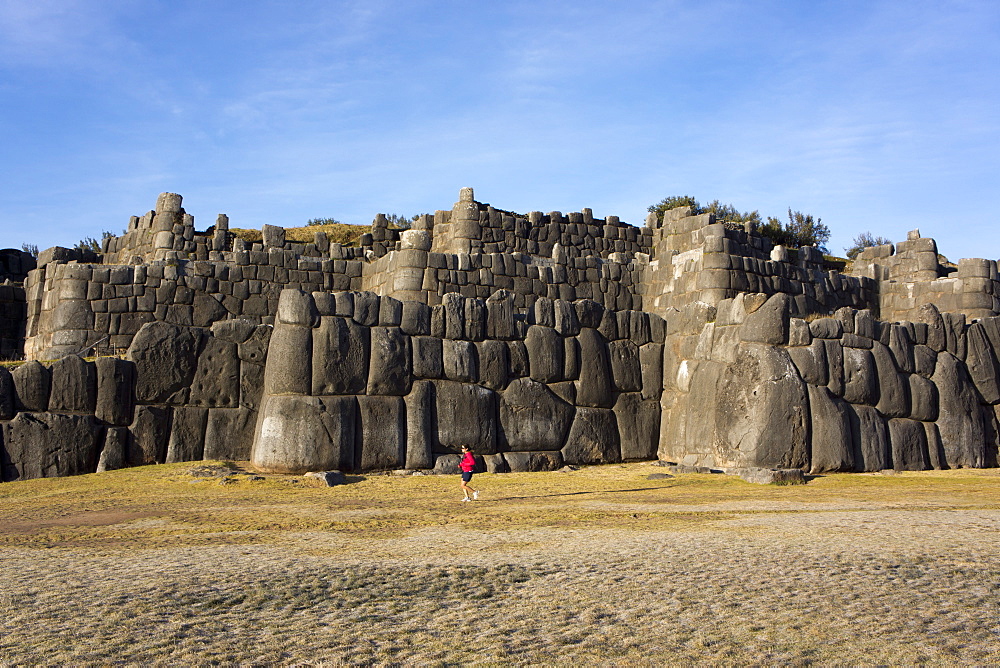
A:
[454,315]
[982,364]
[532,417]
[595,387]
[216,381]
[500,315]
[832,442]
[165,357]
[893,387]
[960,420]
[761,417]
[835,366]
[340,358]
[32,382]
[115,447]
[811,362]
[625,368]
[546,356]
[187,435]
[7,394]
[870,437]
[296,434]
[909,445]
[769,323]
[49,445]
[466,415]
[494,363]
[229,434]
[289,361]
[382,443]
[460,360]
[389,371]
[115,390]
[521,462]
[638,426]
[416,319]
[860,377]
[74,385]
[150,432]
[421,426]
[427,357]
[923,399]
[593,438]
[651,366]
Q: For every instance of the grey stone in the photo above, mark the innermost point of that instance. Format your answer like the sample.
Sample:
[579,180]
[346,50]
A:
[454,315]
[74,386]
[909,445]
[954,331]
[366,308]
[115,390]
[296,307]
[251,385]
[564,316]
[638,426]
[150,430]
[532,417]
[571,359]
[113,453]
[427,357]
[289,361]
[460,360]
[893,388]
[237,331]
[595,387]
[466,415]
[254,349]
[589,313]
[216,381]
[518,355]
[7,394]
[860,377]
[72,314]
[32,382]
[500,315]
[769,323]
[826,328]
[328,478]
[390,312]
[924,360]
[296,434]
[832,442]
[870,437]
[389,371]
[165,358]
[49,445]
[187,435]
[761,417]
[340,359]
[811,362]
[929,315]
[420,425]
[207,309]
[593,438]
[475,319]
[526,462]
[273,236]
[496,463]
[494,364]
[923,399]
[901,347]
[960,420]
[609,326]
[625,369]
[382,433]
[982,364]
[651,367]
[935,449]
[415,319]
[546,357]
[835,366]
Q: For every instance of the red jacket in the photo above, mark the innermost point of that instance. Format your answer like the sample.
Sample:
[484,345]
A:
[468,462]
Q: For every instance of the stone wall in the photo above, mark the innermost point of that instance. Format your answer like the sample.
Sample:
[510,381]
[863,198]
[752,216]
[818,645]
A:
[181,394]
[355,381]
[748,385]
[14,268]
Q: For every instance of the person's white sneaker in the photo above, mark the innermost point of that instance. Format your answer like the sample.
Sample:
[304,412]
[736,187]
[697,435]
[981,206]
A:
[466,499]
[475,495]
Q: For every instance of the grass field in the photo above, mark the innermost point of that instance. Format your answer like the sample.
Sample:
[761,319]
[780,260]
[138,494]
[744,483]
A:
[598,566]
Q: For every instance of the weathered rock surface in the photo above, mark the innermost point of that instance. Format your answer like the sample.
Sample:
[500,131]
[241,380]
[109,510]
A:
[165,357]
[49,445]
[296,434]
[593,438]
[533,418]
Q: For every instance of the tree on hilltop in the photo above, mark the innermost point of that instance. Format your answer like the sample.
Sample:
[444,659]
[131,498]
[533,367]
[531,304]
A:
[863,241]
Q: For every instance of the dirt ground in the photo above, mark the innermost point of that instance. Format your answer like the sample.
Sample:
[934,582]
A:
[604,566]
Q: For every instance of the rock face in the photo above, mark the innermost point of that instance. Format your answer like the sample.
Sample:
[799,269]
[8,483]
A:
[296,434]
[49,445]
[165,357]
[533,418]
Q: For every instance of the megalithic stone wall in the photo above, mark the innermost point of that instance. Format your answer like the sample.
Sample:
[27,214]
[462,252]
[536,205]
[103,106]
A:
[181,394]
[747,385]
[14,268]
[355,381]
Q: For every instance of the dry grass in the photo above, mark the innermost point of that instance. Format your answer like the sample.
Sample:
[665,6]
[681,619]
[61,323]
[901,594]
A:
[339,233]
[149,565]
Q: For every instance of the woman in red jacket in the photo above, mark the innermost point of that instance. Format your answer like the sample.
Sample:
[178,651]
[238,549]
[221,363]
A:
[467,465]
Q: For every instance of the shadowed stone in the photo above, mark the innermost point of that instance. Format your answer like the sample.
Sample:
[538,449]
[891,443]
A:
[49,445]
[595,387]
[420,426]
[466,415]
[150,430]
[546,356]
[526,462]
[32,381]
[165,358]
[625,369]
[216,381]
[593,438]
[870,436]
[832,442]
[638,426]
[187,435]
[909,445]
[115,390]
[113,453]
[532,417]
[389,370]
[960,420]
[74,385]
[340,357]
[382,442]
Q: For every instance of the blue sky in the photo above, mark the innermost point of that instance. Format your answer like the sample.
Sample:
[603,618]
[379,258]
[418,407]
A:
[875,116]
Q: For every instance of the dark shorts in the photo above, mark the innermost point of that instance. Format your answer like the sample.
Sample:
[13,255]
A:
[466,476]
